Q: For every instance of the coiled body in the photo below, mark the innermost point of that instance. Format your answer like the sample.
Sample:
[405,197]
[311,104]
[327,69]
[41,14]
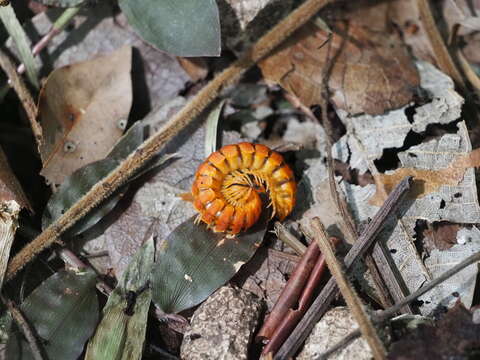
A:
[227,187]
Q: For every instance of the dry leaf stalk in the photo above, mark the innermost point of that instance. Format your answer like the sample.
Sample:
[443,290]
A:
[23,94]
[349,294]
[442,54]
[152,145]
[25,327]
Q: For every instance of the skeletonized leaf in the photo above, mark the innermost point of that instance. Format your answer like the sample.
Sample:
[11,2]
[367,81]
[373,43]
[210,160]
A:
[121,332]
[83,110]
[192,262]
[183,28]
[63,311]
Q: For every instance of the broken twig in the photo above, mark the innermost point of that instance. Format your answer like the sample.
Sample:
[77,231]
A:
[349,294]
[326,296]
[390,312]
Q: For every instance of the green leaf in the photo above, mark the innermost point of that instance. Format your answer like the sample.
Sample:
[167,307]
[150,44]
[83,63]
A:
[63,311]
[193,262]
[62,3]
[182,28]
[211,128]
[121,334]
[73,188]
[15,30]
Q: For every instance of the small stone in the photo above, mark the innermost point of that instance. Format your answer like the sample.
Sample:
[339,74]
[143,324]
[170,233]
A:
[222,327]
[333,327]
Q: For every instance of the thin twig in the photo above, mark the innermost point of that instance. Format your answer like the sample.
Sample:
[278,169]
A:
[382,258]
[151,146]
[390,272]
[442,55]
[56,29]
[24,326]
[349,294]
[24,95]
[328,293]
[288,238]
[391,312]
[349,224]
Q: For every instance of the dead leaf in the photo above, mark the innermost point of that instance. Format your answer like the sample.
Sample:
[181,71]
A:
[371,72]
[196,68]
[450,203]
[405,15]
[369,138]
[372,135]
[426,181]
[83,110]
[455,336]
[442,235]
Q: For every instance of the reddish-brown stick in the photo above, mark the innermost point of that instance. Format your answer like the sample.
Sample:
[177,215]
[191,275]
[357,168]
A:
[298,303]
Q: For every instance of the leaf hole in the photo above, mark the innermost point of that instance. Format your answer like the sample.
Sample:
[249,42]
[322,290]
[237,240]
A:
[442,204]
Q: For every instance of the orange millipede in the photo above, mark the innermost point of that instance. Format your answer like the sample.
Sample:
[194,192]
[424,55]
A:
[227,185]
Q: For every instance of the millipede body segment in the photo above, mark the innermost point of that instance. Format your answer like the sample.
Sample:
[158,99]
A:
[227,187]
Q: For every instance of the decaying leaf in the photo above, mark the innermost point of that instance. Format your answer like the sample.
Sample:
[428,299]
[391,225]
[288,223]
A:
[460,286]
[455,336]
[367,139]
[371,72]
[121,333]
[373,134]
[83,110]
[441,235]
[63,311]
[428,181]
[196,68]
[454,203]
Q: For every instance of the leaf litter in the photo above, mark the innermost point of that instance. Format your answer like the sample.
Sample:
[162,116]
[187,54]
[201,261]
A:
[376,124]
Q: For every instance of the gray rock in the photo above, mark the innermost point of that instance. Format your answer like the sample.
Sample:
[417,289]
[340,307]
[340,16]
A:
[332,328]
[222,327]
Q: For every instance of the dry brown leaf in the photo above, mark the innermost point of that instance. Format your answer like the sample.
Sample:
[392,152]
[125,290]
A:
[371,72]
[83,110]
[455,336]
[425,181]
[441,235]
[196,68]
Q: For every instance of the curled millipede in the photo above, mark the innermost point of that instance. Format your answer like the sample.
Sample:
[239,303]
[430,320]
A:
[227,187]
